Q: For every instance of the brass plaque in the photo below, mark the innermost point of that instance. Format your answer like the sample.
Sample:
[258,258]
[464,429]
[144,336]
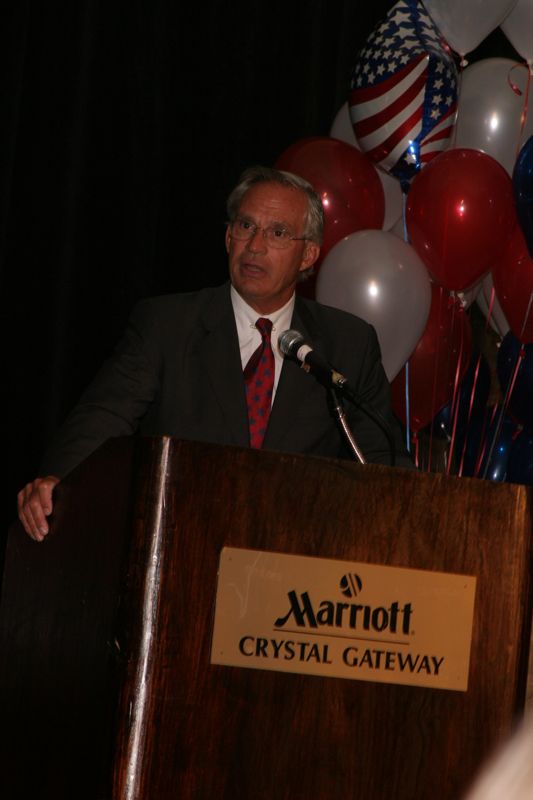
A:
[341,619]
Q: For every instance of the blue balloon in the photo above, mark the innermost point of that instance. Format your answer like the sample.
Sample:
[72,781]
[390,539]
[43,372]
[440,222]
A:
[520,466]
[470,430]
[497,442]
[468,450]
[520,405]
[442,425]
[523,191]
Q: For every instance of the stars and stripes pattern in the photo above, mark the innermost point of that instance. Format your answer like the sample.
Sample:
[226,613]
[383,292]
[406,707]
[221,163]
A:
[403,100]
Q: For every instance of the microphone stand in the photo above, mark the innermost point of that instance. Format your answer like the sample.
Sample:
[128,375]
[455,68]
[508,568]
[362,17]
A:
[292,344]
[338,409]
[374,415]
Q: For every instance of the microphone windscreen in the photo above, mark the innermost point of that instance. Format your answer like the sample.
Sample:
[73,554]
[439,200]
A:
[289,342]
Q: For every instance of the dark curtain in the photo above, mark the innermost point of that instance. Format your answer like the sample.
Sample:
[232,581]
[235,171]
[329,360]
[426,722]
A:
[125,124]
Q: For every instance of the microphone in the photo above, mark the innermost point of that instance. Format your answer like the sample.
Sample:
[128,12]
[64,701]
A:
[293,344]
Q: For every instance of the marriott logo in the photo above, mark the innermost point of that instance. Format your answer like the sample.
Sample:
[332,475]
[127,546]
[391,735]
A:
[309,614]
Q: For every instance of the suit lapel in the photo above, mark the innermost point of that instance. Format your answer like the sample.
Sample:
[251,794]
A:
[221,356]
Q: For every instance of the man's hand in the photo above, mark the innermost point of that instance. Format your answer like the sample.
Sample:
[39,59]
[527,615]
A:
[35,504]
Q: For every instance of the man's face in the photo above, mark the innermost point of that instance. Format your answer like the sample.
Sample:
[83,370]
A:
[264,276]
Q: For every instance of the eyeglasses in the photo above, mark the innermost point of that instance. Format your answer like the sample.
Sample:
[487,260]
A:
[276,236]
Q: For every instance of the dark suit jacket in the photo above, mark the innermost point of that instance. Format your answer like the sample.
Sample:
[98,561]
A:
[177,371]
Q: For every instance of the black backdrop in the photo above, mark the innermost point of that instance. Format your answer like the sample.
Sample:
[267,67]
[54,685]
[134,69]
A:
[125,124]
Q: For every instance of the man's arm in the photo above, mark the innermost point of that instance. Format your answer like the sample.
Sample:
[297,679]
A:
[110,406]
[35,505]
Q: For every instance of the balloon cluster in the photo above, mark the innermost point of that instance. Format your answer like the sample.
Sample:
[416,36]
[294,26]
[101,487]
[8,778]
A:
[428,201]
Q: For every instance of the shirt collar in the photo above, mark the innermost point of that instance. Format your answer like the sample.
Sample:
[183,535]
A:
[246,316]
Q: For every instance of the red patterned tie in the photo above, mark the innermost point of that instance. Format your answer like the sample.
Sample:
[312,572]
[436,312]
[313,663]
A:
[259,383]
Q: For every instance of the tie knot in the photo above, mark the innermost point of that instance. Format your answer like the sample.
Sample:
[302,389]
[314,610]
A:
[264,326]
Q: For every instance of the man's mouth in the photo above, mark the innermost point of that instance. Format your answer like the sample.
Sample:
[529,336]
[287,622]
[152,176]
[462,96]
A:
[251,268]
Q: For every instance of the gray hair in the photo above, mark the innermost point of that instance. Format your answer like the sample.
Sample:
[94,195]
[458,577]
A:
[314,218]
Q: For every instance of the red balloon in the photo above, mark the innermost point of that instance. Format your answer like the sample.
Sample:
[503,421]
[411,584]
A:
[446,344]
[513,282]
[345,179]
[460,216]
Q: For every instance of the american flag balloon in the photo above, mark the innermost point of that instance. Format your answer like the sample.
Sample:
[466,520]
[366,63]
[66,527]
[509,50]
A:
[403,98]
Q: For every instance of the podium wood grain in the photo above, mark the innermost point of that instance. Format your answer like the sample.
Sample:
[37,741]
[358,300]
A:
[105,630]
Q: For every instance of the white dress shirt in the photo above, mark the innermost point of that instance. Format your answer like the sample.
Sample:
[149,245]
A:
[249,336]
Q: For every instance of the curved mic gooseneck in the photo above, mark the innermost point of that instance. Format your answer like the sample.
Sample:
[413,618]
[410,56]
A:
[293,345]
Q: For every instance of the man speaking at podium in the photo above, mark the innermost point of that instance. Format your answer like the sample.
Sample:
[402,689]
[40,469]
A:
[206,365]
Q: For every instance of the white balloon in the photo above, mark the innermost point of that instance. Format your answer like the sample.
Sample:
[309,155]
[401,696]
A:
[490,112]
[342,129]
[381,279]
[465,23]
[518,27]
[393,199]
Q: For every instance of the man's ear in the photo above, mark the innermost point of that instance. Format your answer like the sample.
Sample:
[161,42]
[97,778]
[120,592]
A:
[227,239]
[310,255]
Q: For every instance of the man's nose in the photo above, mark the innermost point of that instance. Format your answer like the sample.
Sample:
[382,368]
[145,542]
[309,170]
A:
[257,242]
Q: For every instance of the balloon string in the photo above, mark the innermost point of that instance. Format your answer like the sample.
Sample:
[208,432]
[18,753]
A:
[479,459]
[456,394]
[416,443]
[528,309]
[430,445]
[404,215]
[455,416]
[512,382]
[505,405]
[523,117]
[435,375]
[453,409]
[483,445]
[514,86]
[469,415]
[407,409]
[516,89]
[491,306]
[510,388]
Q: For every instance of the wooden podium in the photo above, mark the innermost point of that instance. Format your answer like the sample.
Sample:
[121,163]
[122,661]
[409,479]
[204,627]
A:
[105,631]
